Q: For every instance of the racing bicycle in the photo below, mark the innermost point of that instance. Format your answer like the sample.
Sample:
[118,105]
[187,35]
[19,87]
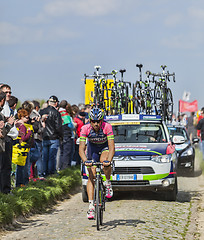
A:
[162,94]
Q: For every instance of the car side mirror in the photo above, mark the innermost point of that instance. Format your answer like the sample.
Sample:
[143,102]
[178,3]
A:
[195,140]
[178,139]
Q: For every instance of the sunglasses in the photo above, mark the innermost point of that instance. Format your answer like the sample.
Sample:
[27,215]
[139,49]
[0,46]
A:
[8,92]
[95,121]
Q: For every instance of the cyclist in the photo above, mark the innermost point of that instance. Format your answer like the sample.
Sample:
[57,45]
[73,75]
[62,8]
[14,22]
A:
[100,143]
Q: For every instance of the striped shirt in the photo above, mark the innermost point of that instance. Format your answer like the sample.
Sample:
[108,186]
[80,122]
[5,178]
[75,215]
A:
[105,133]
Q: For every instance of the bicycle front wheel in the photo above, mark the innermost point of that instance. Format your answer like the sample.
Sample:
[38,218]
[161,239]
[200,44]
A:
[102,195]
[97,208]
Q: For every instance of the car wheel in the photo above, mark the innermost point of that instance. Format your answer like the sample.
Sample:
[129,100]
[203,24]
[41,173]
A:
[171,195]
[193,167]
[84,194]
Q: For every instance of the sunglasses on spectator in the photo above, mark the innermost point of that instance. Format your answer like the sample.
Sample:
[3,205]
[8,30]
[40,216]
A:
[8,92]
[95,121]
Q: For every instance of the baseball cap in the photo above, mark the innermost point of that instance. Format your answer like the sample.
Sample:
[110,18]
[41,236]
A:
[53,99]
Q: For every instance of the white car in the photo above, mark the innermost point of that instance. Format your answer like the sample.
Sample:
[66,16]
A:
[145,156]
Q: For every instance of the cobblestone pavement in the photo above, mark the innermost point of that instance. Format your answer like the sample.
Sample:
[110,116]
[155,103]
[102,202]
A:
[130,216]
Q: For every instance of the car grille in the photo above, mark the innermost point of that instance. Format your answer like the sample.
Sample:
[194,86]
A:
[135,183]
[134,170]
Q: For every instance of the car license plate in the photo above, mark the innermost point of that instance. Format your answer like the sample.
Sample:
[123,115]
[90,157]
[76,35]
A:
[126,177]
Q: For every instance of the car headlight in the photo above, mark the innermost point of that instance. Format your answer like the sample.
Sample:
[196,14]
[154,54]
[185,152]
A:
[162,159]
[187,152]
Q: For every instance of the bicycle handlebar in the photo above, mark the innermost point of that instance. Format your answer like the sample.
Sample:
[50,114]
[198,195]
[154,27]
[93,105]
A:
[96,163]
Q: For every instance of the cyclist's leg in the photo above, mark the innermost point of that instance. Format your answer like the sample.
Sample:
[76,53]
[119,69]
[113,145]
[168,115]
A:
[107,172]
[104,157]
[90,184]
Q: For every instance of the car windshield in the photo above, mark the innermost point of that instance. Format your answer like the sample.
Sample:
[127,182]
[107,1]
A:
[139,133]
[178,131]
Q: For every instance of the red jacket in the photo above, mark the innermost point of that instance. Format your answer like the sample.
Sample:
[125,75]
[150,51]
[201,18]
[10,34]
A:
[80,123]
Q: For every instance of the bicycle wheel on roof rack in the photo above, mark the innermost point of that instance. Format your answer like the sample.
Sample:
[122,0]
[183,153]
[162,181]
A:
[134,100]
[126,101]
[169,104]
[141,100]
[158,99]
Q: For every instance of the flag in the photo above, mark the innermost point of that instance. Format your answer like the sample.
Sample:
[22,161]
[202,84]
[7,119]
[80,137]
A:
[186,96]
[188,106]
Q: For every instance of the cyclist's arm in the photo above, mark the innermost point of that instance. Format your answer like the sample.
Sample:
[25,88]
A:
[82,148]
[111,146]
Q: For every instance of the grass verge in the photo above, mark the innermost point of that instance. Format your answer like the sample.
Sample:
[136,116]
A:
[37,196]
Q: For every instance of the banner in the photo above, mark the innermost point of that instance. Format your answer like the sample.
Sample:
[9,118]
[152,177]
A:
[188,106]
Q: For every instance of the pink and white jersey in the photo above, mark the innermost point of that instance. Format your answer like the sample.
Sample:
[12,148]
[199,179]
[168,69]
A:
[105,133]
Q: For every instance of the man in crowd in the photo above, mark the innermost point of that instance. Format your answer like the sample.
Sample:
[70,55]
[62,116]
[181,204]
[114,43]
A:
[200,127]
[13,101]
[5,161]
[52,135]
[12,134]
[87,111]
[190,126]
[38,129]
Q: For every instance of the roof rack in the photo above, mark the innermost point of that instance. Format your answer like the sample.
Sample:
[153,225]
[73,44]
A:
[132,117]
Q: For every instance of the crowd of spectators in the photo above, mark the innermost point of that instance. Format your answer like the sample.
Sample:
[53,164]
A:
[37,141]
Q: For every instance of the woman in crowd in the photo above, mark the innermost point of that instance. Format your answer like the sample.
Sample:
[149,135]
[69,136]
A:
[21,148]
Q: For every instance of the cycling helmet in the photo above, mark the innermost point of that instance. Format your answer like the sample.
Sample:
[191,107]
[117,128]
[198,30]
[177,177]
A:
[96,114]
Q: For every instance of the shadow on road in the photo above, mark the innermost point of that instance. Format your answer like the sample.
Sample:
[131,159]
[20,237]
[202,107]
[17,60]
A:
[187,173]
[120,222]
[182,196]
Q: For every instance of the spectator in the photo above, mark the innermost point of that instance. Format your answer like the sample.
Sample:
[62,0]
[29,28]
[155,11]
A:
[190,126]
[52,134]
[79,120]
[69,110]
[200,127]
[12,134]
[21,148]
[38,129]
[75,110]
[87,111]
[66,145]
[28,106]
[81,107]
[13,101]
[5,184]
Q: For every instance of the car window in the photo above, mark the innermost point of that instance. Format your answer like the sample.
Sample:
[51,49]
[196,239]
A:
[179,132]
[139,133]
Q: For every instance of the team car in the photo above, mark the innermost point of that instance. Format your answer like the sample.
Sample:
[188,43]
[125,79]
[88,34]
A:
[145,156]
[184,147]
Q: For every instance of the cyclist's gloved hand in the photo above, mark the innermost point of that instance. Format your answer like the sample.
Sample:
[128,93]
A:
[88,163]
[106,163]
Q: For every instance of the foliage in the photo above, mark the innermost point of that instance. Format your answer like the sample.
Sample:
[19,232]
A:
[37,196]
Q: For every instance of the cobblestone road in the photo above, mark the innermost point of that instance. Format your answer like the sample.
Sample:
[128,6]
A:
[129,216]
